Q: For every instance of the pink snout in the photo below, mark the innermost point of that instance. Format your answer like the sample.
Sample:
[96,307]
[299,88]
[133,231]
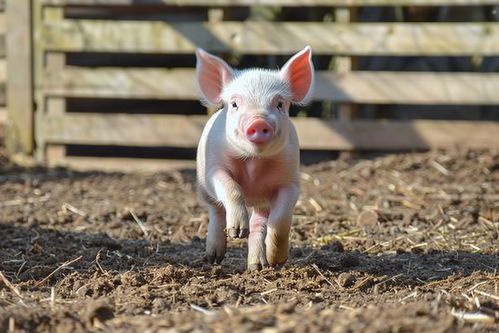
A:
[259,131]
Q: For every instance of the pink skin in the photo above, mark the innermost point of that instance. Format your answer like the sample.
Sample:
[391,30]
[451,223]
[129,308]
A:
[257,257]
[248,155]
[259,132]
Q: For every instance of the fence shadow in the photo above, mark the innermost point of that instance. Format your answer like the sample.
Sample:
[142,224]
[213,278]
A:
[403,268]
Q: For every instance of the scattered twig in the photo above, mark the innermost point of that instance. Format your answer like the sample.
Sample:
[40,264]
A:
[483,293]
[202,310]
[97,257]
[413,294]
[473,317]
[12,325]
[81,288]
[21,268]
[344,307]
[63,265]
[52,296]
[476,286]
[392,278]
[315,204]
[139,222]
[73,209]
[10,285]
[323,276]
[439,167]
[268,291]
[238,302]
[362,283]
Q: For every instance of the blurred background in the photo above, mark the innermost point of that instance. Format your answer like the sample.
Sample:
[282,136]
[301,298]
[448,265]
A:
[110,83]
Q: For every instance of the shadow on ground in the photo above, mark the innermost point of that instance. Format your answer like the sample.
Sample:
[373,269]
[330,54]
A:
[30,254]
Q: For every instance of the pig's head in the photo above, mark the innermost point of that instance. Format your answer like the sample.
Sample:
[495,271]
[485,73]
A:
[256,101]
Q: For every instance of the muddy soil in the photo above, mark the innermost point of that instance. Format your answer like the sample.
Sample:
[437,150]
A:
[396,243]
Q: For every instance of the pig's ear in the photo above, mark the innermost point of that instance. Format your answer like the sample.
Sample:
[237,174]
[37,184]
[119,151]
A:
[299,72]
[212,74]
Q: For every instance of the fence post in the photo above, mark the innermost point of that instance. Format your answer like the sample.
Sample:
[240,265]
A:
[20,107]
[345,64]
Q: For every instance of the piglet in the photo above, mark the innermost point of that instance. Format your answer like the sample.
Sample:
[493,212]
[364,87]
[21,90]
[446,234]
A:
[248,155]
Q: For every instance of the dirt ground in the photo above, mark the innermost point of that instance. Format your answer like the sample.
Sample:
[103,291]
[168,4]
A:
[396,243]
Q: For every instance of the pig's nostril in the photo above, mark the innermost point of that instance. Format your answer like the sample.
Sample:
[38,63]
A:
[251,131]
[265,131]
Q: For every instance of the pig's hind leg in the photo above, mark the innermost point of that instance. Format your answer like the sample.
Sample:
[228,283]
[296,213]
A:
[256,241]
[216,241]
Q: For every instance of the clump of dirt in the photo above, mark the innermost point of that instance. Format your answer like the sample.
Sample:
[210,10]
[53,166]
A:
[403,242]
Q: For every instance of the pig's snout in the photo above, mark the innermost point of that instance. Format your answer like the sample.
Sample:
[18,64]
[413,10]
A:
[259,132]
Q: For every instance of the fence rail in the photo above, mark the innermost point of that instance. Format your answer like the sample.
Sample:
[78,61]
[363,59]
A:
[355,87]
[314,134]
[291,3]
[423,39]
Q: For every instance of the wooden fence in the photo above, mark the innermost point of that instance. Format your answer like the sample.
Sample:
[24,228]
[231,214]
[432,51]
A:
[69,34]
[3,63]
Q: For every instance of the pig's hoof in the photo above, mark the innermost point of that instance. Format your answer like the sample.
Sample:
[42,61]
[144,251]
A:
[213,258]
[237,233]
[257,263]
[256,267]
[215,251]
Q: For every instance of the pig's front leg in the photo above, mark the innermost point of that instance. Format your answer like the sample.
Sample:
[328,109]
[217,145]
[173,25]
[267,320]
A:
[279,224]
[256,241]
[230,194]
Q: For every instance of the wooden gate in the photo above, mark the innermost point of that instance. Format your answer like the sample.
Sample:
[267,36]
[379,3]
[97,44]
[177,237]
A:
[68,34]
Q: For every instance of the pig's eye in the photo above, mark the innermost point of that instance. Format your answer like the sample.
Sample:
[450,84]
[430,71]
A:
[234,105]
[279,106]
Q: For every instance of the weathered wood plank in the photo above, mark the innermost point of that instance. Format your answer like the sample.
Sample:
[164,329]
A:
[289,3]
[409,88]
[396,135]
[353,87]
[3,29]
[3,72]
[184,131]
[3,25]
[136,130]
[252,37]
[3,115]
[3,94]
[2,46]
[120,164]
[19,95]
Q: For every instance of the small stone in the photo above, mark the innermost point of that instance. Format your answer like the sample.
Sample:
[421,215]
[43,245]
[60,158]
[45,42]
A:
[368,218]
[346,280]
